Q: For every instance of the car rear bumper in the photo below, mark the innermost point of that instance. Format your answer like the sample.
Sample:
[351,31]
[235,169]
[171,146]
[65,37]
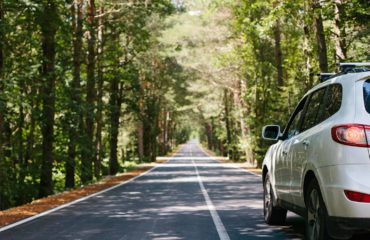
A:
[335,179]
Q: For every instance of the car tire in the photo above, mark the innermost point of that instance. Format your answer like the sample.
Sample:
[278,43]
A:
[273,215]
[317,215]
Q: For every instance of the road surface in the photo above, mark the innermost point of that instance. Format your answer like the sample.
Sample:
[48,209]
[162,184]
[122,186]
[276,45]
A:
[191,197]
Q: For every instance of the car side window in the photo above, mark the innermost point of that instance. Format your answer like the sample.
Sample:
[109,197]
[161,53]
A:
[333,101]
[294,123]
[315,111]
[295,126]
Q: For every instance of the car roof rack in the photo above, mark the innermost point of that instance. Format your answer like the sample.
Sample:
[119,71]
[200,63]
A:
[344,68]
[325,76]
[354,67]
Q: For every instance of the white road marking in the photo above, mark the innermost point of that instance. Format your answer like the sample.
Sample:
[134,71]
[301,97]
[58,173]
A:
[221,230]
[216,218]
[71,203]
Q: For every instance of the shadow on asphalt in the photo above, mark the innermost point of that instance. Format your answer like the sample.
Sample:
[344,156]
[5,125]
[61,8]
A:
[167,204]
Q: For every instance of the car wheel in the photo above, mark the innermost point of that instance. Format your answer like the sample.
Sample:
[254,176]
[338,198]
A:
[316,217]
[273,215]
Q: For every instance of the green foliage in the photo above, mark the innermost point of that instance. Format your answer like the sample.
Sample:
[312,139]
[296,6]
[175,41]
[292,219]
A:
[129,53]
[168,72]
[231,46]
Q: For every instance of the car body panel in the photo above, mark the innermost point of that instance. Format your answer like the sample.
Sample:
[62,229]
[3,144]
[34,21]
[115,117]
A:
[282,170]
[335,179]
[337,167]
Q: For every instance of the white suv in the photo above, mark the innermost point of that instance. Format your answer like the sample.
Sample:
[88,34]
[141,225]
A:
[320,165]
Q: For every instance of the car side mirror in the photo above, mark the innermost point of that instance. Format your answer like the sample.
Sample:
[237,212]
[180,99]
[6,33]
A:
[271,132]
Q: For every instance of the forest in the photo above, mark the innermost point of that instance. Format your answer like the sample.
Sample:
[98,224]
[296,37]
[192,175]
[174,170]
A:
[89,88]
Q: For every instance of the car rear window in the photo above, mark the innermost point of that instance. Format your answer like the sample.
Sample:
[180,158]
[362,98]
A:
[366,90]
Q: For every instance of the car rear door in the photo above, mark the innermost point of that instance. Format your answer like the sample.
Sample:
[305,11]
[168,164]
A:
[308,145]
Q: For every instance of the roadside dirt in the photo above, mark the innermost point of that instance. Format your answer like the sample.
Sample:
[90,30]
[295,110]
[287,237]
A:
[243,165]
[38,206]
[13,215]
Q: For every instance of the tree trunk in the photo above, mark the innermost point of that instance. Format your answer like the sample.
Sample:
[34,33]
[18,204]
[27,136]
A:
[227,122]
[31,135]
[87,160]
[339,31]
[307,52]
[48,30]
[243,129]
[278,54]
[320,37]
[154,142]
[239,105]
[5,197]
[165,131]
[209,132]
[21,159]
[140,124]
[140,139]
[35,108]
[114,125]
[2,86]
[2,40]
[99,111]
[76,116]
[3,141]
[214,138]
[114,112]
[170,135]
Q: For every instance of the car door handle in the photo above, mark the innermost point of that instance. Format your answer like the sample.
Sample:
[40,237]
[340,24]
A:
[306,143]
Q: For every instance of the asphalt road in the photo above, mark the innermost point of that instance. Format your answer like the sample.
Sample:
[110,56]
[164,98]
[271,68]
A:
[190,197]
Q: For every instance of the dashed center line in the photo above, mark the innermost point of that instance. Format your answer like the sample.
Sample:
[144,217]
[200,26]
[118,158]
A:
[221,230]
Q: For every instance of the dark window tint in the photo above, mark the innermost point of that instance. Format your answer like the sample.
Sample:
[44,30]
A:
[333,101]
[294,124]
[314,112]
[366,90]
[323,103]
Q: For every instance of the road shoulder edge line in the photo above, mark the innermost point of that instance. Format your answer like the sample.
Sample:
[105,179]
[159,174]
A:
[12,225]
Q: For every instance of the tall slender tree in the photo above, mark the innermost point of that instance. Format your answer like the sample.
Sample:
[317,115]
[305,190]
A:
[87,160]
[100,91]
[320,36]
[339,31]
[227,118]
[76,117]
[114,113]
[5,197]
[278,52]
[48,21]
[2,82]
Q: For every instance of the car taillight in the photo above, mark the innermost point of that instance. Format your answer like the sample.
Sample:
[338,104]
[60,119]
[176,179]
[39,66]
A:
[357,197]
[352,134]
